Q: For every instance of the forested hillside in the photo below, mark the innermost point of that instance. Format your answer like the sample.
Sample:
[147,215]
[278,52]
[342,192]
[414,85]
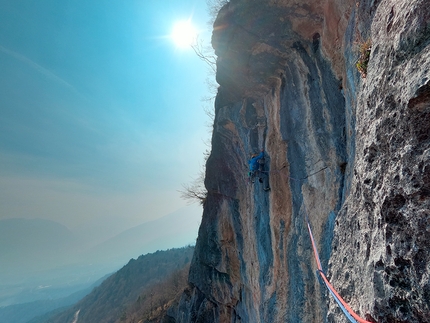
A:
[139,292]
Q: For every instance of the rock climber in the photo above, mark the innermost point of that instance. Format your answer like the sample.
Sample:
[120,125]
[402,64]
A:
[256,168]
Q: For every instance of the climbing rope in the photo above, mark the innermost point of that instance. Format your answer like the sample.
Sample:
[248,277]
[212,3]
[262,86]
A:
[349,313]
[346,309]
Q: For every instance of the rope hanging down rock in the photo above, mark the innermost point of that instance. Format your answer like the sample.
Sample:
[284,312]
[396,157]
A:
[349,313]
[346,309]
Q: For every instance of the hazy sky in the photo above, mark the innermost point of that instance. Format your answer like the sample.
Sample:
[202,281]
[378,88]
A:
[101,114]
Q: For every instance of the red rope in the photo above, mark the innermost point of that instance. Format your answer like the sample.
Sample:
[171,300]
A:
[327,283]
[351,315]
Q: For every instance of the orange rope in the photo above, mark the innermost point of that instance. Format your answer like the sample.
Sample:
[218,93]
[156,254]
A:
[346,309]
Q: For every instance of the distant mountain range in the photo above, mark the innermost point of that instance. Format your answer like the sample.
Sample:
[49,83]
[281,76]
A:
[173,230]
[28,246]
[23,313]
[42,259]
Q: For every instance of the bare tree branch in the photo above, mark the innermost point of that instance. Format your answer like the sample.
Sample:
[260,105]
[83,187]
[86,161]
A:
[205,53]
[195,191]
[214,7]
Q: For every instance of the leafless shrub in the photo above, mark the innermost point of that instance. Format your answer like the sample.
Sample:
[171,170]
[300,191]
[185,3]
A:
[214,7]
[195,191]
[205,53]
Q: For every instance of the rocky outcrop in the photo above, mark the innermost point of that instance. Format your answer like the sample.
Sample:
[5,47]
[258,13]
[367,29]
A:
[380,258]
[352,154]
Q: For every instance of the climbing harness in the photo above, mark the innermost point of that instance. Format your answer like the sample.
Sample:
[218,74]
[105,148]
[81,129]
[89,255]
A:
[349,313]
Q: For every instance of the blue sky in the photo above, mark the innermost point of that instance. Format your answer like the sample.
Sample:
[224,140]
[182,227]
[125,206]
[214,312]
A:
[102,116]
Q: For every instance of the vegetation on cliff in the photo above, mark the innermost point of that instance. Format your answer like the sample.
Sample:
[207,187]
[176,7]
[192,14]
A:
[139,292]
[364,49]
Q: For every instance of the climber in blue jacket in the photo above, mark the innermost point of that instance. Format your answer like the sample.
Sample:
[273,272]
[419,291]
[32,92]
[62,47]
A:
[256,164]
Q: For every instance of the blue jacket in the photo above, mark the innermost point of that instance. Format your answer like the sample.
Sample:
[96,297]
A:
[253,163]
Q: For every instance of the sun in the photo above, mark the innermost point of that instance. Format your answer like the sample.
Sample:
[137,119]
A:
[184,34]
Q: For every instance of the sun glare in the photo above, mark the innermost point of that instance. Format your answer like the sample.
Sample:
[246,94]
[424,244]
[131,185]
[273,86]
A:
[184,34]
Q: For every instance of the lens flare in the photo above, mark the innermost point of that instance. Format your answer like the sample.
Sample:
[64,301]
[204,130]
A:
[184,34]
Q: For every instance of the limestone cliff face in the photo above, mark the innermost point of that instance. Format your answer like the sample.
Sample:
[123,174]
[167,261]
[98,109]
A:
[381,251]
[353,154]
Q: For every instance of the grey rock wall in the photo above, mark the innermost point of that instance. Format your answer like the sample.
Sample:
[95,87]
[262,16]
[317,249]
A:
[380,258]
[352,154]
